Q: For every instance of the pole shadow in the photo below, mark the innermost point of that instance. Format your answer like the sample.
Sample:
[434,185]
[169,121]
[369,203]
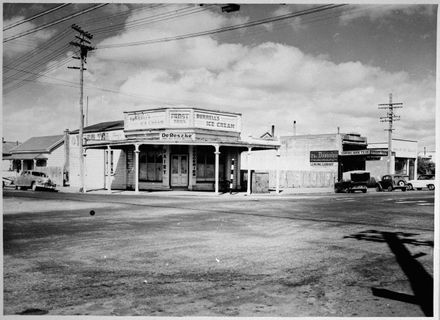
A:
[420,280]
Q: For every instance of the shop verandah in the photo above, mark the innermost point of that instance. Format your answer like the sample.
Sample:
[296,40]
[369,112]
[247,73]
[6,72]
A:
[157,165]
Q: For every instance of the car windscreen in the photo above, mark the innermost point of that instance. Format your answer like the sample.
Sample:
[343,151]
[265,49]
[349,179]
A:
[357,177]
[39,174]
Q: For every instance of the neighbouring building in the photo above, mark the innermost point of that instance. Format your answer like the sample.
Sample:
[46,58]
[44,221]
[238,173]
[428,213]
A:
[162,149]
[7,162]
[46,154]
[316,160]
[403,158]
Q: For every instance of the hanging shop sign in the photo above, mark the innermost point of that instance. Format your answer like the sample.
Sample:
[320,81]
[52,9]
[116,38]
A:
[324,156]
[367,152]
[177,136]
[217,121]
[379,152]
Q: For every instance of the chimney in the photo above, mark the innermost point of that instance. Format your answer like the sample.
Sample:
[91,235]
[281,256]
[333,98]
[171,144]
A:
[273,131]
[294,127]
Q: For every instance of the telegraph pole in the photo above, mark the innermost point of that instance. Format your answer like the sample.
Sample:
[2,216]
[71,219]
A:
[390,118]
[84,45]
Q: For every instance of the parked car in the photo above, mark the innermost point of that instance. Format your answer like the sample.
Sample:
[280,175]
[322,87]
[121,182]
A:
[423,181]
[391,182]
[7,181]
[33,179]
[353,181]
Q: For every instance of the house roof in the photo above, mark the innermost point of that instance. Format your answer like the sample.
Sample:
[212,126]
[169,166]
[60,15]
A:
[26,156]
[8,145]
[43,144]
[103,126]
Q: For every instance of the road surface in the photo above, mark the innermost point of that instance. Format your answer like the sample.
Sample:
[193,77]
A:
[161,254]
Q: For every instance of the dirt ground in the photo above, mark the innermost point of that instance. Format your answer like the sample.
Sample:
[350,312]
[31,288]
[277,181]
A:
[207,257]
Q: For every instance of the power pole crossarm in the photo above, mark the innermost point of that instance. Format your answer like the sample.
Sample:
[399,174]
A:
[84,46]
[390,118]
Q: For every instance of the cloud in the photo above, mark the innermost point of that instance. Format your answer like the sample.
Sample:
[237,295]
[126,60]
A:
[376,12]
[295,23]
[26,43]
[269,83]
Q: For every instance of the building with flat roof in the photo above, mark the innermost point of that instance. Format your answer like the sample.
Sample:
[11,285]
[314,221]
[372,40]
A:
[162,149]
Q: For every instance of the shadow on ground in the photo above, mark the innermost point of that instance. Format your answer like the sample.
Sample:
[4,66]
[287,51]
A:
[420,280]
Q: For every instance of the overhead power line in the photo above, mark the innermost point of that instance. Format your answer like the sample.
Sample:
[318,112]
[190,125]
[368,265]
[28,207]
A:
[55,22]
[224,29]
[34,17]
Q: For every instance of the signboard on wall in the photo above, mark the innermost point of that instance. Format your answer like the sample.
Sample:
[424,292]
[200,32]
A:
[324,156]
[145,120]
[177,136]
[216,121]
[180,118]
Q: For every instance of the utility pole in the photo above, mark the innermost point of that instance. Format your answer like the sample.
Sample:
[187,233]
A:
[84,45]
[390,118]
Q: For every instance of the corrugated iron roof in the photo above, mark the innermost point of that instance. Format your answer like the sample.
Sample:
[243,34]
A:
[26,156]
[103,126]
[8,145]
[39,144]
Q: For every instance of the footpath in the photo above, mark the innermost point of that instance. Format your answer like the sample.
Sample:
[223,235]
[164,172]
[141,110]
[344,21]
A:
[271,193]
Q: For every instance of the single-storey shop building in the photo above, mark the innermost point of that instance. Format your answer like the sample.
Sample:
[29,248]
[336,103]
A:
[163,149]
[319,160]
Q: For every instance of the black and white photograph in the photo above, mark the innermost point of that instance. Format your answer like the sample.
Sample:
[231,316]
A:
[183,159]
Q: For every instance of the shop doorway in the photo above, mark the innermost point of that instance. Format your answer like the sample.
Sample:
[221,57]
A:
[179,170]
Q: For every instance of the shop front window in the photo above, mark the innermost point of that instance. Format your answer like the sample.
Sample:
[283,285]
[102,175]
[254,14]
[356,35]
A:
[206,165]
[150,165]
[41,163]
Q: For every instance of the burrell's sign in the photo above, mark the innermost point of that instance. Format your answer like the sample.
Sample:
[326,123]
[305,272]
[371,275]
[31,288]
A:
[189,118]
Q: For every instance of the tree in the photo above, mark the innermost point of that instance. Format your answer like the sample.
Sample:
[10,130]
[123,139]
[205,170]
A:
[425,166]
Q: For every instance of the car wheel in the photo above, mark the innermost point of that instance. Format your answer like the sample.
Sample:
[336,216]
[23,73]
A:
[403,189]
[409,186]
[378,189]
[390,188]
[431,187]
[401,183]
[364,191]
[16,187]
[33,186]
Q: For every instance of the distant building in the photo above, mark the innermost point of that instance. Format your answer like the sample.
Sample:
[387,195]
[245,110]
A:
[7,162]
[46,154]
[316,160]
[404,158]
[427,155]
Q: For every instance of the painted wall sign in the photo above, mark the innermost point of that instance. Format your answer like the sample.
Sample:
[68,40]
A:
[214,121]
[322,164]
[324,156]
[179,118]
[145,120]
[177,136]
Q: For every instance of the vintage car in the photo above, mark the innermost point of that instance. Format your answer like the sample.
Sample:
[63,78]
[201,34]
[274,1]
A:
[353,181]
[391,182]
[423,181]
[33,179]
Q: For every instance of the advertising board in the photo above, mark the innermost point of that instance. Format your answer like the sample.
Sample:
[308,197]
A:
[145,120]
[217,121]
[324,156]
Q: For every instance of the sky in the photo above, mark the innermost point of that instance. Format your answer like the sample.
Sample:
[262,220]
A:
[324,70]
